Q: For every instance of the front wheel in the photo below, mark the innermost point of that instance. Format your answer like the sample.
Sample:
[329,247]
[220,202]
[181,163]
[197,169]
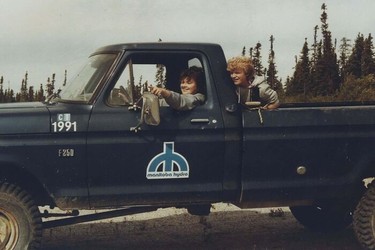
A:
[364,219]
[20,221]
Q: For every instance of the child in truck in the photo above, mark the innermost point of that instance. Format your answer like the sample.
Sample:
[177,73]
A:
[192,89]
[251,87]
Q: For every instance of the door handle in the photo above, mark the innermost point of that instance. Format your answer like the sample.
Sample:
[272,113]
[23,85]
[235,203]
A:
[200,120]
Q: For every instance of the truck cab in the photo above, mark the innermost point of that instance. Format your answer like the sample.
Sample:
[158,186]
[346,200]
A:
[191,166]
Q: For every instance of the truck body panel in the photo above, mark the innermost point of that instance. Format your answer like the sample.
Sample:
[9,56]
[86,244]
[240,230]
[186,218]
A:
[331,143]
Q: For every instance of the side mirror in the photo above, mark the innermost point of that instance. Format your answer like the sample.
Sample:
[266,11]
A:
[150,111]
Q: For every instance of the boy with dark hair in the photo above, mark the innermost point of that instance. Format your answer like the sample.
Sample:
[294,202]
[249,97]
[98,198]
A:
[192,89]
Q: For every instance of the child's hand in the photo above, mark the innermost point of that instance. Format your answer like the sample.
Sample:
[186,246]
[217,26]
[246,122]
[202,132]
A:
[155,91]
[160,92]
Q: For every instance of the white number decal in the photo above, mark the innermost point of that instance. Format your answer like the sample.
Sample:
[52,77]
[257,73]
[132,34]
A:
[66,152]
[64,126]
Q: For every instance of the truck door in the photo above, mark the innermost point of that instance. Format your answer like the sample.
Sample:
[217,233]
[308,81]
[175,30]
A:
[177,161]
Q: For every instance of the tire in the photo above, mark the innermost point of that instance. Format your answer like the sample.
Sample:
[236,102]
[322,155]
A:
[329,216]
[325,218]
[20,221]
[364,219]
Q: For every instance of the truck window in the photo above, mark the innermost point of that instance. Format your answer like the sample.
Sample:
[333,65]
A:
[134,80]
[195,62]
[143,71]
[82,87]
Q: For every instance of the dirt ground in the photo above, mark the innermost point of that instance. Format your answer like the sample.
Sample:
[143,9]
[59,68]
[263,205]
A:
[227,227]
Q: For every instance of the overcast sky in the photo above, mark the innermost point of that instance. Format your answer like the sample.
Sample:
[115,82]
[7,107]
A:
[49,36]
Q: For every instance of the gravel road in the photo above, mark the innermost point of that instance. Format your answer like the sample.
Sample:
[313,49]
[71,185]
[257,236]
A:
[227,227]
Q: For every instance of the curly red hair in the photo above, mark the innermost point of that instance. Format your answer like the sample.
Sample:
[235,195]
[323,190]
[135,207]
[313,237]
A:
[241,62]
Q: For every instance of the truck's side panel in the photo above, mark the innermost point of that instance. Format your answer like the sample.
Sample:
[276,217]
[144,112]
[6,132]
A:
[34,146]
[65,163]
[333,144]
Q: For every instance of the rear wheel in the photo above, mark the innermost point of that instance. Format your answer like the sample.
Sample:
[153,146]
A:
[20,221]
[332,215]
[323,218]
[364,219]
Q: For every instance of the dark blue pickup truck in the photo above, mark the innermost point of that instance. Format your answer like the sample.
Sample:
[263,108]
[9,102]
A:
[104,142]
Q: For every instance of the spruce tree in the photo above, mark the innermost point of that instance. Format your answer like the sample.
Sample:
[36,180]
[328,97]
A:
[65,78]
[327,74]
[23,95]
[160,78]
[11,96]
[31,94]
[300,84]
[344,55]
[40,94]
[317,72]
[243,51]
[257,60]
[6,96]
[50,85]
[367,60]
[315,45]
[272,71]
[353,66]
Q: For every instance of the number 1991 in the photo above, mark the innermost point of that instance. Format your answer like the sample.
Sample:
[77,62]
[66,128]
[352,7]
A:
[64,126]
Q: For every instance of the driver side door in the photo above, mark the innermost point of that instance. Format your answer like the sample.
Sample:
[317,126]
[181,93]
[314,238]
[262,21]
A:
[125,164]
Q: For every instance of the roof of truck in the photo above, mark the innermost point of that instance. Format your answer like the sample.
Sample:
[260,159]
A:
[158,46]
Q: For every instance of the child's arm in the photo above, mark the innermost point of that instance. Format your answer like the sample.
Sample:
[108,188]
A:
[165,93]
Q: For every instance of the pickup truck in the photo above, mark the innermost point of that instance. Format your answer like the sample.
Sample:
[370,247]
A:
[105,142]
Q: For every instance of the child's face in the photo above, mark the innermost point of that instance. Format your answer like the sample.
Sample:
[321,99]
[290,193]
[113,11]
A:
[189,86]
[239,78]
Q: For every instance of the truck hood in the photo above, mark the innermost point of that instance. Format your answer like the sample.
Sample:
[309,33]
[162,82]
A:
[24,118]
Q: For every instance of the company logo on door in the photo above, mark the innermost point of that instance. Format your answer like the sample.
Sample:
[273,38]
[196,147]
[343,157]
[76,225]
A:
[168,164]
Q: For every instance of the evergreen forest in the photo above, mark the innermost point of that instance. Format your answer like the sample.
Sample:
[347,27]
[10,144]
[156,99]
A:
[327,70]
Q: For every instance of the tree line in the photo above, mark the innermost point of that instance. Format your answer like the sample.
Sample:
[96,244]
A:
[27,92]
[323,72]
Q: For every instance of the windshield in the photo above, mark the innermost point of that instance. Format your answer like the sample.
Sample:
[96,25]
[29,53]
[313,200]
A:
[83,85]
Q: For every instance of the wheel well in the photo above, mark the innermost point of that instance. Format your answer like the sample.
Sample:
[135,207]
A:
[27,181]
